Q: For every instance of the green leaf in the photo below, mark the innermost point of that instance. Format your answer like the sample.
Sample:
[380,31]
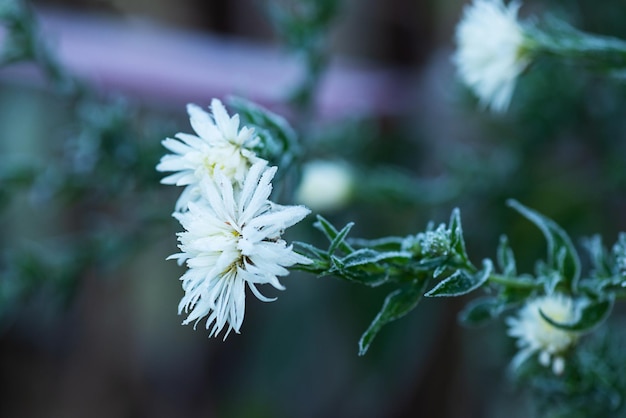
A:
[600,258]
[369,256]
[480,311]
[279,140]
[506,258]
[462,282]
[550,281]
[337,264]
[397,304]
[371,279]
[382,244]
[456,234]
[312,250]
[339,240]
[333,235]
[439,270]
[562,255]
[437,264]
[597,254]
[326,227]
[261,116]
[514,295]
[591,315]
[320,259]
[362,267]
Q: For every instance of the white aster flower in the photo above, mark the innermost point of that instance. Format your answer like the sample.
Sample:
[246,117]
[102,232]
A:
[490,51]
[536,335]
[325,185]
[232,238]
[218,145]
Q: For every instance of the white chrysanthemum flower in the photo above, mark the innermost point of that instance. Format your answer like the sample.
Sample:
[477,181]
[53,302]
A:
[536,335]
[232,238]
[218,145]
[325,185]
[490,54]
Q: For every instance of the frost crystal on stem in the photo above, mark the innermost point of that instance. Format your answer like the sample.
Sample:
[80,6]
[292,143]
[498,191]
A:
[218,145]
[490,54]
[536,335]
[232,238]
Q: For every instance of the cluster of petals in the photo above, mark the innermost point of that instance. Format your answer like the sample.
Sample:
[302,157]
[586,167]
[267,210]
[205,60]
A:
[232,231]
[535,335]
[490,51]
[219,144]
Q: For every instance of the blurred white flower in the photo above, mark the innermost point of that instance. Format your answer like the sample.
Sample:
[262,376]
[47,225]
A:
[325,185]
[232,238]
[490,53]
[218,145]
[536,335]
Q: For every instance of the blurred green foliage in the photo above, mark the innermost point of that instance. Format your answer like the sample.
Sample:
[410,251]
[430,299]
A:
[93,179]
[83,199]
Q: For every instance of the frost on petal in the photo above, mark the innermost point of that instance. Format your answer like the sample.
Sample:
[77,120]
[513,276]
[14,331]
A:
[227,125]
[202,123]
[231,241]
[219,145]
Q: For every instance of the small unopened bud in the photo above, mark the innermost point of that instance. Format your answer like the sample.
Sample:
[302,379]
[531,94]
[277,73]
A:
[325,186]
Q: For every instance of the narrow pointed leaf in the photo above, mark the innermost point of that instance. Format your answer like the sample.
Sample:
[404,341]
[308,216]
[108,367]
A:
[550,281]
[339,240]
[439,270]
[506,258]
[461,282]
[591,315]
[326,227]
[562,255]
[456,233]
[369,256]
[337,263]
[371,279]
[331,233]
[311,249]
[397,304]
[386,243]
[480,311]
[599,257]
[279,139]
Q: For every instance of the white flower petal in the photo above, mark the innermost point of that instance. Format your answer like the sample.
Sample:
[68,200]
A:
[179,178]
[218,146]
[258,294]
[201,122]
[172,163]
[227,125]
[176,146]
[490,54]
[194,143]
[536,335]
[251,184]
[232,240]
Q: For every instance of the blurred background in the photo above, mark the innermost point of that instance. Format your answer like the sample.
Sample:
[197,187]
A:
[88,319]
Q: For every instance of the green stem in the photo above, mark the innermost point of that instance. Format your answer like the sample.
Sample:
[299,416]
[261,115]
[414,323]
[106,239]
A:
[512,282]
[563,41]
